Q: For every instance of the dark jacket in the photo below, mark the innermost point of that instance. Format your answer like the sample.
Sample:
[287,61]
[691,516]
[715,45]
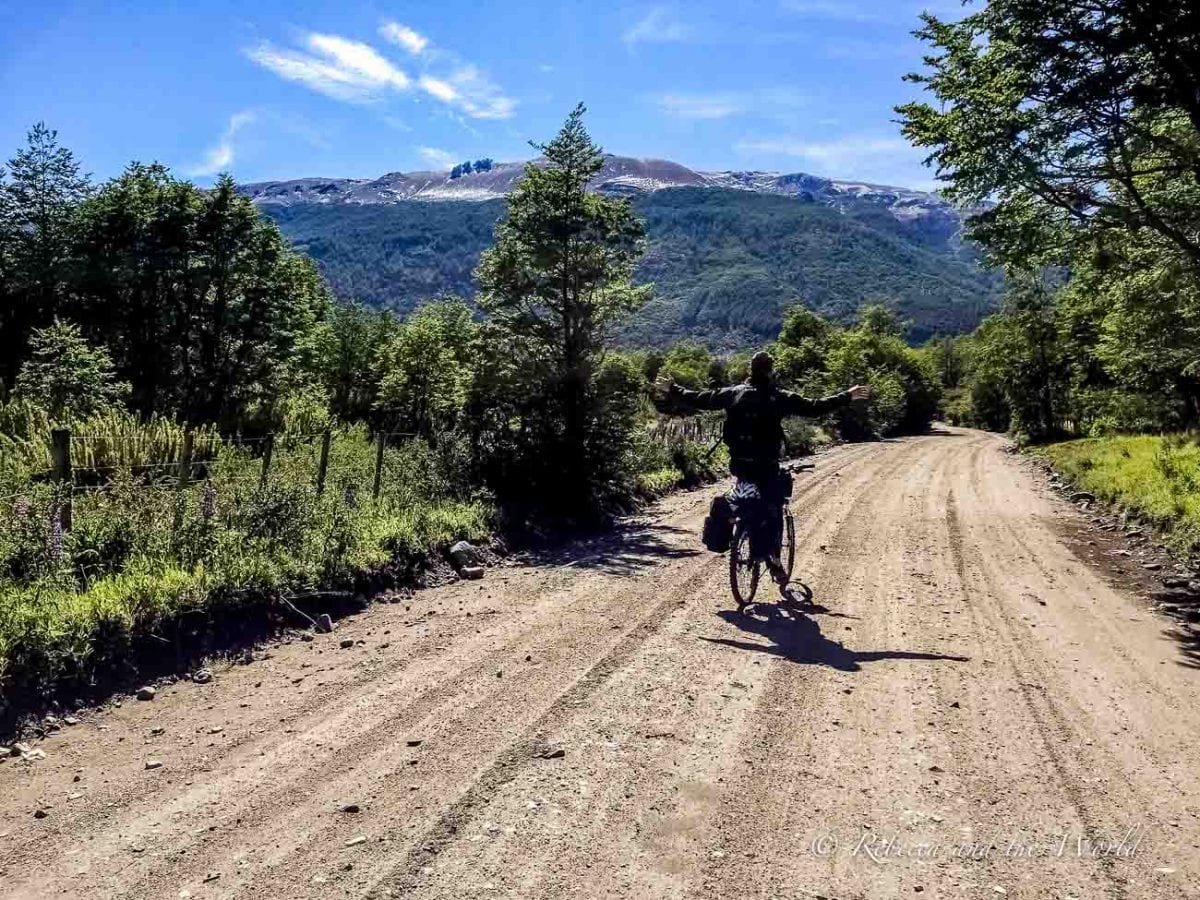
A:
[754,417]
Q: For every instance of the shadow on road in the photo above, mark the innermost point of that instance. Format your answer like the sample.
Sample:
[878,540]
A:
[797,637]
[623,550]
[1186,635]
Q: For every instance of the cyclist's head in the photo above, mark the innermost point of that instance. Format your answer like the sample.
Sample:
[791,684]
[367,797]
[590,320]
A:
[761,366]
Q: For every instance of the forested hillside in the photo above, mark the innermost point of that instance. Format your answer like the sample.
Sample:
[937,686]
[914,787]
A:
[725,263]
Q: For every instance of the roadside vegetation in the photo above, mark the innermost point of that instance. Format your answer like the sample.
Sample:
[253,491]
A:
[200,364]
[1154,479]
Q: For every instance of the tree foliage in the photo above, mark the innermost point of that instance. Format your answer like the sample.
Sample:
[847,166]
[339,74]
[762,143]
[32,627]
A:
[65,376]
[1079,119]
[39,196]
[556,280]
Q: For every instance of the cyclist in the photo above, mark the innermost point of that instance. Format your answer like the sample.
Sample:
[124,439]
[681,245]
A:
[753,432]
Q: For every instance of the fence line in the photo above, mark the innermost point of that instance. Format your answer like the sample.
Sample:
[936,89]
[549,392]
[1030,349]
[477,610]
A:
[199,449]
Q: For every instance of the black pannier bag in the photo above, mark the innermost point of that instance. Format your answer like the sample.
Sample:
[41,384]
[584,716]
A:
[718,525]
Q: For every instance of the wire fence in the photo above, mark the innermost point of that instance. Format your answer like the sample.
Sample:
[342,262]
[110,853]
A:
[362,466]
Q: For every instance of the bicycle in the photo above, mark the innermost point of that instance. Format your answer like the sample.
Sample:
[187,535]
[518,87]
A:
[745,569]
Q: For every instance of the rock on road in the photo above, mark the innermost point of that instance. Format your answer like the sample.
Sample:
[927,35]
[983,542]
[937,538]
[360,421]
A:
[969,710]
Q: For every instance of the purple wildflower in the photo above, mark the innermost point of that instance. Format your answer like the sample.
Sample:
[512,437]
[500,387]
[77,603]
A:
[348,497]
[54,540]
[20,508]
[208,501]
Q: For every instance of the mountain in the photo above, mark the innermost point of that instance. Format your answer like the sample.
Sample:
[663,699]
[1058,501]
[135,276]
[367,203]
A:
[727,251]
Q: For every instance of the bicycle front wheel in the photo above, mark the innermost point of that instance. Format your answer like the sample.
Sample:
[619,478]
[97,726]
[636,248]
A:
[744,569]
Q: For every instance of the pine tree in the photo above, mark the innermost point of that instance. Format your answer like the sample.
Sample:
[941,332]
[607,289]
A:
[558,276]
[37,213]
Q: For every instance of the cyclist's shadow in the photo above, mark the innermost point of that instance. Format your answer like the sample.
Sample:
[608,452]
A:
[796,636]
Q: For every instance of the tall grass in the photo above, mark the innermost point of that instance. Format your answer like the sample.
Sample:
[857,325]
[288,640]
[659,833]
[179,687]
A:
[144,555]
[1155,478]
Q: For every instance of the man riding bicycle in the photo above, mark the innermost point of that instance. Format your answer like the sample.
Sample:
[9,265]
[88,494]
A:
[753,432]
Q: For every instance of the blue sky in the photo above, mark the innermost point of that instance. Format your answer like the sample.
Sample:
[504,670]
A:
[270,89]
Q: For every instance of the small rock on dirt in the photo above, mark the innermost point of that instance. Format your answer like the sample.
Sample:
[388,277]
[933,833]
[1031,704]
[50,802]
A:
[324,623]
[347,643]
[146,693]
[472,573]
[202,676]
[355,841]
[154,764]
[1082,496]
[551,753]
[40,813]
[348,808]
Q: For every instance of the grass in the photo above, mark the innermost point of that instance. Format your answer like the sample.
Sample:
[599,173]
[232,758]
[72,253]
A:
[153,575]
[1155,478]
[146,559]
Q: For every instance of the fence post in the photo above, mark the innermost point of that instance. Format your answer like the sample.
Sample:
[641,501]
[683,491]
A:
[381,442]
[323,465]
[60,454]
[268,452]
[183,475]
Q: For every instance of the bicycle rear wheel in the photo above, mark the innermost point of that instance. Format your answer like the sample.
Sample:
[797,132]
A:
[744,569]
[787,553]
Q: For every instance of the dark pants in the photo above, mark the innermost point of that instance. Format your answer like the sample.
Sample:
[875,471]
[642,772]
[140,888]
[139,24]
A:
[765,517]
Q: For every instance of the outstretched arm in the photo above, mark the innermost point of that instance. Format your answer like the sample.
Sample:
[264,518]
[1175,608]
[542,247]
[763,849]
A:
[719,398]
[795,405]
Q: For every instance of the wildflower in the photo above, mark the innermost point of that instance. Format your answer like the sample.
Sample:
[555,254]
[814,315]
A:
[208,501]
[20,508]
[54,540]
[348,497]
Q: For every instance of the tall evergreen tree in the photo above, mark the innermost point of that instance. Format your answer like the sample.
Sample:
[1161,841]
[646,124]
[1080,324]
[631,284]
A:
[38,200]
[558,276]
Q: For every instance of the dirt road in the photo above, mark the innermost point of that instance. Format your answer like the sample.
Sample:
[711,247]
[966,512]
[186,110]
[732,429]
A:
[969,711]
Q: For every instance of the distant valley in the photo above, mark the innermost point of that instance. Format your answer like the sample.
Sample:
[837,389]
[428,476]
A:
[727,251]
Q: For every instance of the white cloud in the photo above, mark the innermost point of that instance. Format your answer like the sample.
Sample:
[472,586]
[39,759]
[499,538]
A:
[437,158]
[773,102]
[700,106]
[476,95]
[336,66]
[658,26]
[411,40]
[880,159]
[220,155]
[356,72]
[439,89]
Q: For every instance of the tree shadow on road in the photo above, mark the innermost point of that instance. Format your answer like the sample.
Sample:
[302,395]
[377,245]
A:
[796,636]
[625,549]
[1187,636]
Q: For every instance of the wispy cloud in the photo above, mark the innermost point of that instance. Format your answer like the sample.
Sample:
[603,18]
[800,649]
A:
[220,155]
[356,72]
[334,66]
[878,158]
[659,25]
[408,38]
[449,78]
[437,158]
[701,106]
[725,104]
